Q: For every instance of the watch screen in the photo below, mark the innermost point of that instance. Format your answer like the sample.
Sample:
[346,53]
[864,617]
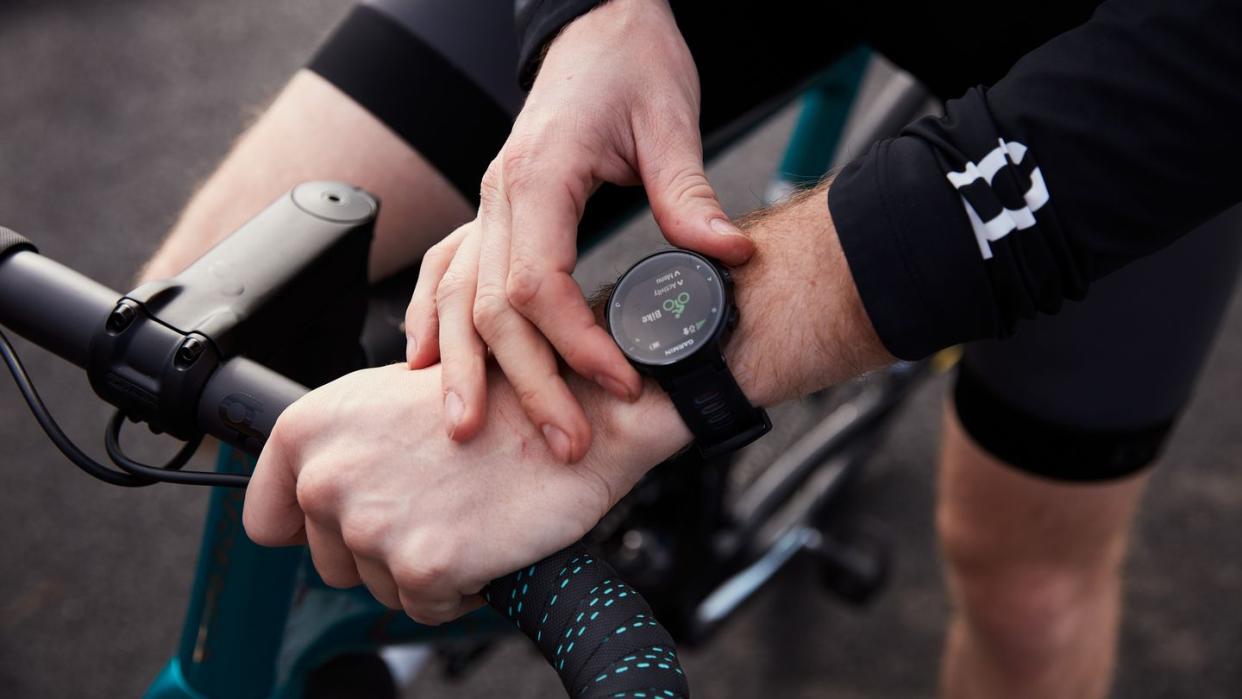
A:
[666,307]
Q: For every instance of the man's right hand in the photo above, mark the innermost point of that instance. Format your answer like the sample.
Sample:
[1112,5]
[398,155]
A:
[617,100]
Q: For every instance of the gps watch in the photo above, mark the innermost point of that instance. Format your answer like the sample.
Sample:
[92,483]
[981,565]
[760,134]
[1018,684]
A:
[671,314]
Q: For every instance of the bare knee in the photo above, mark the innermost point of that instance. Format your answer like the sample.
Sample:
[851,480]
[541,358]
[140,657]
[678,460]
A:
[1025,609]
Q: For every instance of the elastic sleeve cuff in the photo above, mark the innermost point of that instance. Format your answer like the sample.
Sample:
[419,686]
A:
[537,23]
[910,250]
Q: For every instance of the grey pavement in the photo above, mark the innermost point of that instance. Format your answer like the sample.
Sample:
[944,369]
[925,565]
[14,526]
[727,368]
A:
[111,113]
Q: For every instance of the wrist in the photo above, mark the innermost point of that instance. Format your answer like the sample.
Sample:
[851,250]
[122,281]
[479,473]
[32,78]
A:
[630,438]
[616,16]
[802,324]
[802,327]
[628,24]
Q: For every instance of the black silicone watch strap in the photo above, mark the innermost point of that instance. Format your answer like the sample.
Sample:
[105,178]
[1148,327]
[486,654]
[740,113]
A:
[718,414]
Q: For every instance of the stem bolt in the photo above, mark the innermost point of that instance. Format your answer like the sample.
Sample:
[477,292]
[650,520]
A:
[189,352]
[121,317]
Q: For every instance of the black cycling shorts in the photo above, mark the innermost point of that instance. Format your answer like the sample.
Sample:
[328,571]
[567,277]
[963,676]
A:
[1088,394]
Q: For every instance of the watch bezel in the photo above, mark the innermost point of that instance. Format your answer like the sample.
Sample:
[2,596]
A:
[712,341]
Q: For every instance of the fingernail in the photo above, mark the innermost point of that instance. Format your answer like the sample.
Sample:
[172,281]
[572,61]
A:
[558,441]
[615,387]
[724,226]
[411,347]
[453,408]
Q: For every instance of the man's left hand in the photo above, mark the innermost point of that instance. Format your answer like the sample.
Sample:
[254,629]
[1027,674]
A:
[363,472]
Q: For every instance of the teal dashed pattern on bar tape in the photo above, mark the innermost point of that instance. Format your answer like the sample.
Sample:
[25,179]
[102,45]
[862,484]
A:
[597,632]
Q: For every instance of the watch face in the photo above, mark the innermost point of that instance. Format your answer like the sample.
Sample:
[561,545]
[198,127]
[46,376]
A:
[666,307]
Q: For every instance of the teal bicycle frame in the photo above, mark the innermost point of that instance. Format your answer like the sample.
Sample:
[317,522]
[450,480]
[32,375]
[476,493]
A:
[260,619]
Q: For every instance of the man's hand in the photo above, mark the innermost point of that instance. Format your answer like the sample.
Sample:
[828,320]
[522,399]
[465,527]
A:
[617,100]
[361,471]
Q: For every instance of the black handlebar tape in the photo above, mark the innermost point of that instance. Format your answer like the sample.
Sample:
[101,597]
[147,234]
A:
[597,632]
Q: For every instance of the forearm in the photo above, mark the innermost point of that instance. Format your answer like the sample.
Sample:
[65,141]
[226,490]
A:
[537,24]
[802,326]
[313,131]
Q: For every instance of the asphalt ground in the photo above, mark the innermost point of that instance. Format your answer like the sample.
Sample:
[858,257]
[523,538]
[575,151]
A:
[112,113]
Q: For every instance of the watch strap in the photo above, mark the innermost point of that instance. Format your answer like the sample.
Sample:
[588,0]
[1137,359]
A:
[715,409]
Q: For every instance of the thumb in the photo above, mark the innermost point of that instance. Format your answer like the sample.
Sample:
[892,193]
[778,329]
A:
[685,205]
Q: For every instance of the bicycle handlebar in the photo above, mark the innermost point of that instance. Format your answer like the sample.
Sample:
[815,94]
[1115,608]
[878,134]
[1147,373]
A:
[60,310]
[598,634]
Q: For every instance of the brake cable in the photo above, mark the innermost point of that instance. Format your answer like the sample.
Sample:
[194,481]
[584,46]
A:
[132,474]
[171,472]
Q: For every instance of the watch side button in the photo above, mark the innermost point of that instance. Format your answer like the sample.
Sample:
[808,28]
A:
[733,317]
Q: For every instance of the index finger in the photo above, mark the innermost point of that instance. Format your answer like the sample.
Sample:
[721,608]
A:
[523,353]
[271,515]
[543,253]
[422,324]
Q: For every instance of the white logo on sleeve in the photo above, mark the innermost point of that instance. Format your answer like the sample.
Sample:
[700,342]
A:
[1007,220]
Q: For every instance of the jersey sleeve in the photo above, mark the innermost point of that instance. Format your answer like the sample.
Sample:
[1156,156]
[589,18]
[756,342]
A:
[537,23]
[1102,146]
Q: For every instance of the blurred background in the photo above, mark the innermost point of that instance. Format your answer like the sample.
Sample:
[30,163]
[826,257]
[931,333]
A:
[111,113]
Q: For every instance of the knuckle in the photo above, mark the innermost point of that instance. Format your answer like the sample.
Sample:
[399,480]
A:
[415,576]
[493,171]
[364,534]
[668,115]
[289,428]
[491,187]
[425,616]
[451,287]
[389,602]
[422,567]
[490,306]
[436,257]
[678,122]
[522,286]
[256,529]
[261,531]
[317,492]
[336,579]
[688,184]
[279,441]
[519,170]
[529,397]
[577,357]
[431,613]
